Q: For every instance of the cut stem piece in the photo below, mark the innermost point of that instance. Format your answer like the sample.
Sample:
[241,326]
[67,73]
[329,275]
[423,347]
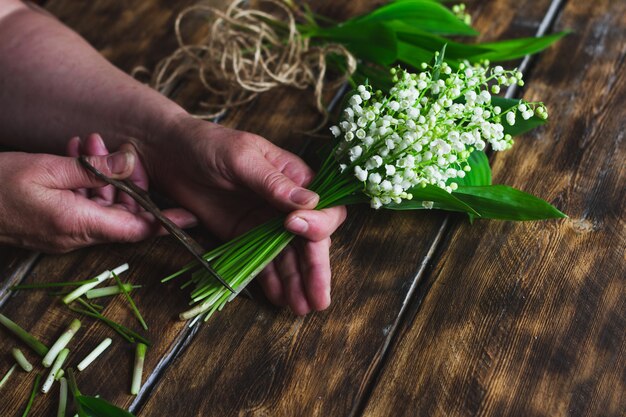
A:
[140,355]
[44,285]
[99,279]
[21,360]
[26,337]
[94,354]
[58,363]
[61,343]
[6,376]
[59,375]
[108,291]
[62,398]
[133,306]
[32,395]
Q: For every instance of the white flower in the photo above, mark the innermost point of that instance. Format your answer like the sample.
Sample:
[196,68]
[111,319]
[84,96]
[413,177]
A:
[335,131]
[360,173]
[355,100]
[390,169]
[510,118]
[355,153]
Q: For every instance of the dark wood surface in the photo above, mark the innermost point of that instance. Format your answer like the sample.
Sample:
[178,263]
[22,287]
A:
[430,316]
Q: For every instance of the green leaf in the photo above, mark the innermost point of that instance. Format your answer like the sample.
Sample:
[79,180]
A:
[480,173]
[96,407]
[418,38]
[369,41]
[506,203]
[517,48]
[427,15]
[441,200]
[521,126]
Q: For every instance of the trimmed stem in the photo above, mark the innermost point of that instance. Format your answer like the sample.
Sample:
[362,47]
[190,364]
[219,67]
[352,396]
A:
[56,367]
[21,360]
[94,354]
[26,337]
[62,398]
[140,355]
[6,376]
[43,285]
[78,292]
[108,291]
[61,343]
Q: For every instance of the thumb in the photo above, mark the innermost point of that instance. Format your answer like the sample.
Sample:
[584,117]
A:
[273,185]
[70,174]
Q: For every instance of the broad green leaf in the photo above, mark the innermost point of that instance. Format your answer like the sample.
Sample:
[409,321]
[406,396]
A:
[427,15]
[517,48]
[521,126]
[369,41]
[414,36]
[480,173]
[506,203]
[96,407]
[441,200]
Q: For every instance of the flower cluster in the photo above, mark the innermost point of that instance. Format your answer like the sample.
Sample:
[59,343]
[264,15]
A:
[424,130]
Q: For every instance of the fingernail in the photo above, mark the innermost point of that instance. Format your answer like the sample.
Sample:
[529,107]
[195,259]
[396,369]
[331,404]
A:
[297,225]
[302,196]
[100,140]
[119,162]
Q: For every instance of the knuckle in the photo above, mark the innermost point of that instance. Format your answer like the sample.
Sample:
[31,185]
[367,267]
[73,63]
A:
[275,182]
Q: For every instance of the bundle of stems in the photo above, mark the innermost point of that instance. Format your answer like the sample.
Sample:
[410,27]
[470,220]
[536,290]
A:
[243,258]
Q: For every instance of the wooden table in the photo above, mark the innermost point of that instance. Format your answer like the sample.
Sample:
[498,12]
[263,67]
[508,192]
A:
[430,315]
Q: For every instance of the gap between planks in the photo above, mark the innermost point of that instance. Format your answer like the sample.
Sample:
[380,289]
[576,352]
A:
[414,299]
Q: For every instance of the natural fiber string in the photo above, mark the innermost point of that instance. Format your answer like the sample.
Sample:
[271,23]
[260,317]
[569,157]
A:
[247,51]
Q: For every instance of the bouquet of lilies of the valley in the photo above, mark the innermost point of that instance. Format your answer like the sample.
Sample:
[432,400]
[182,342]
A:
[419,145]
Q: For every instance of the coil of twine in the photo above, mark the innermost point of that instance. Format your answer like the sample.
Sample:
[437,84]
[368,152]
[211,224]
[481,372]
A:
[247,51]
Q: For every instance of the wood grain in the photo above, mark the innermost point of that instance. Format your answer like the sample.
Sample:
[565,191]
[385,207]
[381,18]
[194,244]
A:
[529,319]
[251,360]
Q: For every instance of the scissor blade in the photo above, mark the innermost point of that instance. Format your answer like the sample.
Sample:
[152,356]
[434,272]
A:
[143,199]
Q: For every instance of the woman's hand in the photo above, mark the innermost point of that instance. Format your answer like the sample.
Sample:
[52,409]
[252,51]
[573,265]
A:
[40,209]
[232,180]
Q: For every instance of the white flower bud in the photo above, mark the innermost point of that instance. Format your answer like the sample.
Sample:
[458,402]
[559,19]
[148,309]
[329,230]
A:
[360,173]
[335,131]
[510,118]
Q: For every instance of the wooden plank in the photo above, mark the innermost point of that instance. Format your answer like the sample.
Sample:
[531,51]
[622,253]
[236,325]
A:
[251,360]
[530,319]
[14,265]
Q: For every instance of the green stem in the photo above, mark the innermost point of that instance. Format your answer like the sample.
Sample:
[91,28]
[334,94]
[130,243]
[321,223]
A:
[31,399]
[43,285]
[26,337]
[132,304]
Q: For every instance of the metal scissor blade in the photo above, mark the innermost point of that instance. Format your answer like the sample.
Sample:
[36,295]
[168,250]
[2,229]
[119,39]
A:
[143,199]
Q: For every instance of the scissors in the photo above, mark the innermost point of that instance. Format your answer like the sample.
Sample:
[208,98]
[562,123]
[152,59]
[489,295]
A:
[143,199]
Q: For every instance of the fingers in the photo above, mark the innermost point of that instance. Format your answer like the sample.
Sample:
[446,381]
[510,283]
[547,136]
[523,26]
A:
[267,181]
[272,286]
[255,171]
[93,145]
[69,174]
[315,225]
[113,224]
[315,267]
[139,176]
[288,268]
[74,151]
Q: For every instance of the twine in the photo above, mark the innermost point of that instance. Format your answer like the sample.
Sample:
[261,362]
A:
[247,52]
